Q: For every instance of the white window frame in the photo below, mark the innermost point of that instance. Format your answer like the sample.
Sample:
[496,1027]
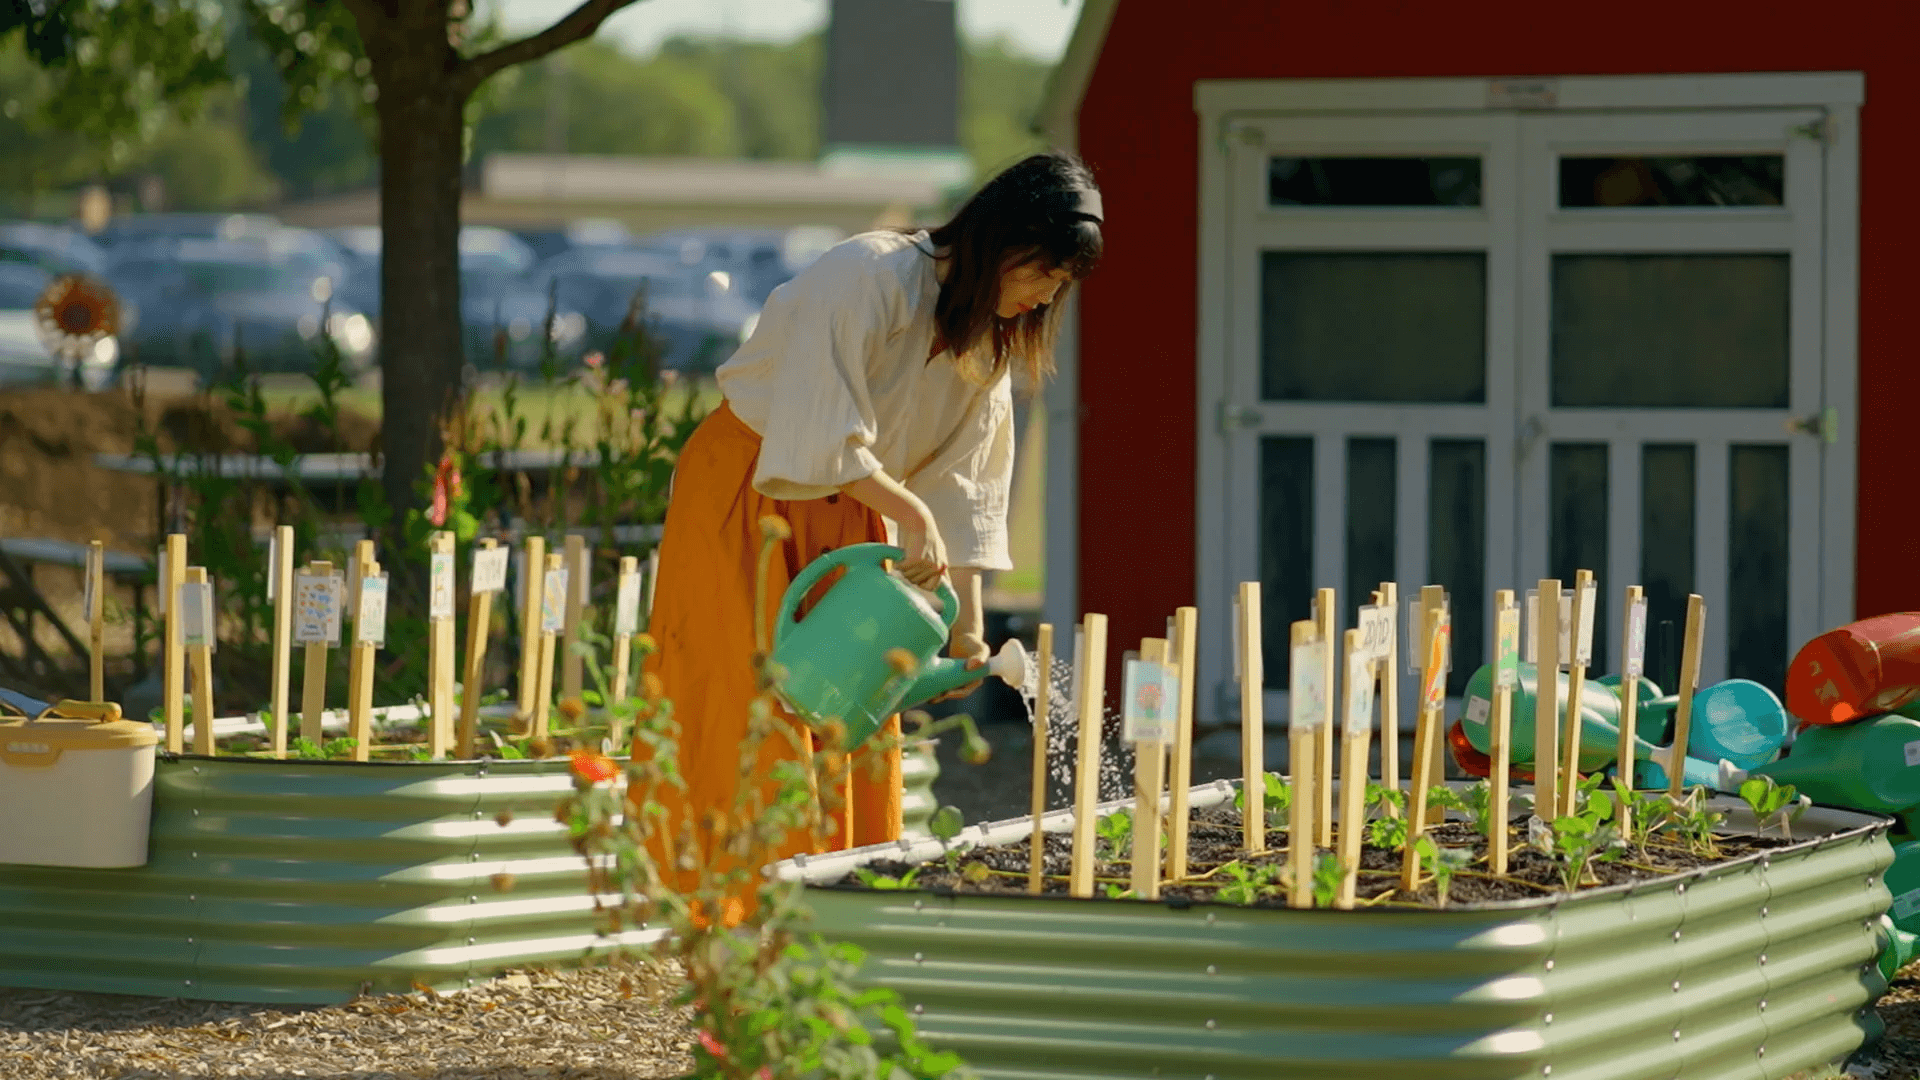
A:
[1221,103]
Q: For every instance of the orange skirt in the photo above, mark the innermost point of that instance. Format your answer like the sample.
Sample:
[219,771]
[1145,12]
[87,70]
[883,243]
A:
[703,621]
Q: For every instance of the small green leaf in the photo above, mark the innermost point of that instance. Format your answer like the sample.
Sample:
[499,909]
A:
[946,823]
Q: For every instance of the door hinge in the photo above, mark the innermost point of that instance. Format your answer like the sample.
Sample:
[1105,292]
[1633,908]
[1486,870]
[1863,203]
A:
[1234,418]
[1823,425]
[1820,131]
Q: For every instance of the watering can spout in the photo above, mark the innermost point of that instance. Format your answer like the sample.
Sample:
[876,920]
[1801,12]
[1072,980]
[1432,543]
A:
[1010,665]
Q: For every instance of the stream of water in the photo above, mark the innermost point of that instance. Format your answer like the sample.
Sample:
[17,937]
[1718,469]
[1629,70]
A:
[1063,736]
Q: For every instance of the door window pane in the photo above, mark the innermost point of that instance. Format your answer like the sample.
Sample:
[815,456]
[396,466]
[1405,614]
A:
[1370,517]
[1457,546]
[1670,331]
[1577,526]
[1373,181]
[1374,326]
[1666,553]
[1757,566]
[1702,180]
[1286,547]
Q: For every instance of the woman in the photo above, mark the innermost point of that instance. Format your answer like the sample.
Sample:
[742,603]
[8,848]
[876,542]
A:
[875,388]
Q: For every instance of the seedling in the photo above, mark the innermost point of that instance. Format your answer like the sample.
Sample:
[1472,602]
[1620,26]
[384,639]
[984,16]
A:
[1279,797]
[1579,840]
[1115,832]
[886,882]
[1695,823]
[1389,830]
[1441,862]
[1245,884]
[1326,880]
[1770,801]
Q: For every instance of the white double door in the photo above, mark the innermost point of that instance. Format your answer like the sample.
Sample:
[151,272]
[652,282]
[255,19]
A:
[1482,349]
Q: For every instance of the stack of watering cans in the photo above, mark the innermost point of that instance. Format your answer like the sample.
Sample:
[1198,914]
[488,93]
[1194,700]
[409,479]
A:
[1853,695]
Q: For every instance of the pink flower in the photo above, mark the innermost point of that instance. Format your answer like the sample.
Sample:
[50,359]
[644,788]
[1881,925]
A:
[595,768]
[594,360]
[710,1044]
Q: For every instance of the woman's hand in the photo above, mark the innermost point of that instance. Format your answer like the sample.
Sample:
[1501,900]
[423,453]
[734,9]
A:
[972,648]
[968,640]
[926,561]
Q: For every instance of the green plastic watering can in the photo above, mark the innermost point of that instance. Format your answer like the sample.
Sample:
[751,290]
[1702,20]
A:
[1871,765]
[836,659]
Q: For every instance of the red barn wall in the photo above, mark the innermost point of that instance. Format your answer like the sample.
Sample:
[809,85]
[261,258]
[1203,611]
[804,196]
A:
[1139,131]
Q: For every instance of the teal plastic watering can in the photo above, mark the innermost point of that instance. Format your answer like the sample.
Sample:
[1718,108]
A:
[836,659]
[1599,727]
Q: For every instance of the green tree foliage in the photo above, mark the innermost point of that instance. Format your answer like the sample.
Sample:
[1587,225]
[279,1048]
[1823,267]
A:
[1000,92]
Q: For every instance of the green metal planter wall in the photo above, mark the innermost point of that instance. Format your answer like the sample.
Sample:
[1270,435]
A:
[919,768]
[310,881]
[1758,968]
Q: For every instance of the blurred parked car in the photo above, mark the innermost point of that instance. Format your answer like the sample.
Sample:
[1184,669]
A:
[202,302]
[140,228]
[751,262]
[54,248]
[24,356]
[698,319]
[586,232]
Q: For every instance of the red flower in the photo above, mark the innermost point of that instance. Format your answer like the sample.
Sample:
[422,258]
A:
[765,1073]
[594,360]
[446,488]
[711,1045]
[594,767]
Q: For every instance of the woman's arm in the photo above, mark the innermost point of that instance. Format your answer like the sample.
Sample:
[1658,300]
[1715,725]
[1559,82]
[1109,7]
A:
[920,538]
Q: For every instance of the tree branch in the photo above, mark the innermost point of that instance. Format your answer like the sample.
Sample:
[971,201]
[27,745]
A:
[579,23]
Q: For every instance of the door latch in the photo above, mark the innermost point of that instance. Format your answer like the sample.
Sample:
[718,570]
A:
[1235,418]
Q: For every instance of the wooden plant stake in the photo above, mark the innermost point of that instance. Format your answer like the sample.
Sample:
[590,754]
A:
[572,664]
[553,623]
[1357,735]
[197,635]
[1506,676]
[1434,597]
[440,643]
[173,571]
[280,594]
[369,632]
[1037,802]
[1633,664]
[626,623]
[531,581]
[652,582]
[1581,639]
[1388,597]
[93,604]
[1689,682]
[1546,702]
[317,601]
[1149,715]
[1306,715]
[1324,609]
[1437,638]
[1180,772]
[1092,679]
[1253,724]
[489,576]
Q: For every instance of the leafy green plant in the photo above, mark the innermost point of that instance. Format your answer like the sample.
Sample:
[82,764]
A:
[305,748]
[1246,884]
[1326,880]
[1577,841]
[1773,802]
[1114,835]
[1440,861]
[1694,822]
[873,880]
[1645,812]
[1388,827]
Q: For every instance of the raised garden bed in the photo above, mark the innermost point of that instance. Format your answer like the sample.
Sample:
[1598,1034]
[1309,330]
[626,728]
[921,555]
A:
[1760,964]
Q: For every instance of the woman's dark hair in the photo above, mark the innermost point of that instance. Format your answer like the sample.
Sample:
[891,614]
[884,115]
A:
[1045,208]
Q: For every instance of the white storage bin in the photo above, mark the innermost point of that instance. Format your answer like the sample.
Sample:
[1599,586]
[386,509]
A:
[75,792]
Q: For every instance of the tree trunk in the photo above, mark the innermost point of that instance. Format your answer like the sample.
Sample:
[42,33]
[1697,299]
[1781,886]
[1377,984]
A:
[421,360]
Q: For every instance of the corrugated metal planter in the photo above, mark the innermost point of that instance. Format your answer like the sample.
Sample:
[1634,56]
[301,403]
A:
[310,881]
[1756,968]
[919,768]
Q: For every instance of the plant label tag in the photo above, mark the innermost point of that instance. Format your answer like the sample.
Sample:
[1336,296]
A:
[1530,639]
[1307,686]
[1478,710]
[273,566]
[1636,659]
[370,620]
[440,586]
[626,606]
[1376,632]
[316,609]
[196,614]
[490,570]
[1433,691]
[1360,681]
[1583,655]
[1913,753]
[1151,691]
[1566,628]
[553,602]
[1506,657]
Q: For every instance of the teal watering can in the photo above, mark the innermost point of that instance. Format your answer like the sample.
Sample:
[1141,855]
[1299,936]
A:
[836,659]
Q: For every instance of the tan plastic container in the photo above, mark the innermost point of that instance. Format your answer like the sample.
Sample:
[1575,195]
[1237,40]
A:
[75,792]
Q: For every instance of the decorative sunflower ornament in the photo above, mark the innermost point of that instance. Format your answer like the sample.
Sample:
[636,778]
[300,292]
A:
[74,316]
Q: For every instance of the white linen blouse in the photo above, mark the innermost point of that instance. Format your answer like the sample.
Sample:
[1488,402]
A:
[836,381]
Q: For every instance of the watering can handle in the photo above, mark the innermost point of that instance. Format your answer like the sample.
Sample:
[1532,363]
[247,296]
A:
[852,554]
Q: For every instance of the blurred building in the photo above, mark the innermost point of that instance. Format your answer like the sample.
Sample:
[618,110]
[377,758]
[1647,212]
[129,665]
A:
[1374,310]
